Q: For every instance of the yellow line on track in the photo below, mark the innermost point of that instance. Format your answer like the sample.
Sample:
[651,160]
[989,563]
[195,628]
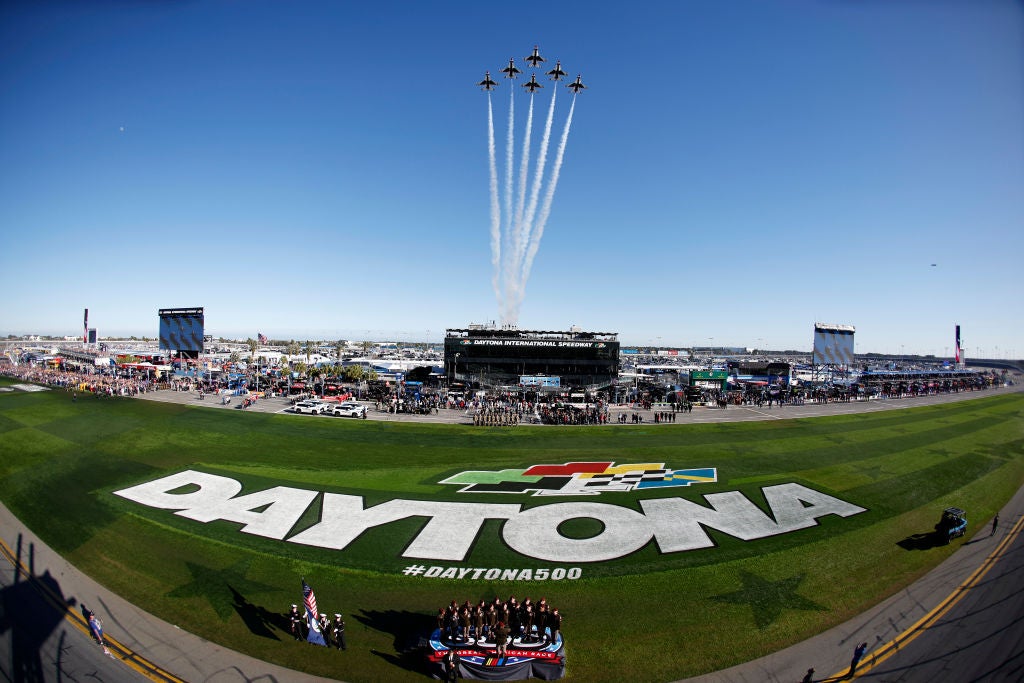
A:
[924,623]
[117,649]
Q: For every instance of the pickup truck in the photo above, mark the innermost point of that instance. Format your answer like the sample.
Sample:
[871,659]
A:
[952,524]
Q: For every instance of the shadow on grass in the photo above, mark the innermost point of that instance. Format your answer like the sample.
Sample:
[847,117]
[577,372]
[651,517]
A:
[925,541]
[409,631]
[259,620]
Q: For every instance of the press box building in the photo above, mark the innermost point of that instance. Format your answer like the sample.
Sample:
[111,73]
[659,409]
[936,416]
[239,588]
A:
[508,357]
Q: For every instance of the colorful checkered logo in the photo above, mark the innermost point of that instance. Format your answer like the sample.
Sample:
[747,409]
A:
[579,478]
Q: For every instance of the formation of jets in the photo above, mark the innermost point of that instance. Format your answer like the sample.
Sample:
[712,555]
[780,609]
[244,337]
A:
[534,60]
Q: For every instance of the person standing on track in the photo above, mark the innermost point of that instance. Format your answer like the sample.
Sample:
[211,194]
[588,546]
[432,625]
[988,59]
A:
[858,653]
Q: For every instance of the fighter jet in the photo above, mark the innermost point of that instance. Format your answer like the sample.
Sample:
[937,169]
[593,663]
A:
[557,72]
[535,58]
[487,83]
[533,84]
[576,86]
[510,71]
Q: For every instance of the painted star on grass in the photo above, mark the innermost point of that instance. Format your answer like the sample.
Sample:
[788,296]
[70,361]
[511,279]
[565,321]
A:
[872,472]
[767,598]
[220,586]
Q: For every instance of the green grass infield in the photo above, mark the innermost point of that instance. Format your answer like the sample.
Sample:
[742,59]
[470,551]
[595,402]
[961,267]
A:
[803,524]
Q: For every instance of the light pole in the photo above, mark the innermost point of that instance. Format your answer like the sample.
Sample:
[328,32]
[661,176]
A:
[455,369]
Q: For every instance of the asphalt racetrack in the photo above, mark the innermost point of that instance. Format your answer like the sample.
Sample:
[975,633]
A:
[980,638]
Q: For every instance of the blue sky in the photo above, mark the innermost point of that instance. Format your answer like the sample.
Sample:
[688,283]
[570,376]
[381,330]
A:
[736,171]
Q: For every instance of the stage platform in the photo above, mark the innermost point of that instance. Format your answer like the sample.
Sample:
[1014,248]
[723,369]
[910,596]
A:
[478,660]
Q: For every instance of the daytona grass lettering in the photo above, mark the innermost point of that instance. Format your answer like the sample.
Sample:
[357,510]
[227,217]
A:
[673,524]
[493,573]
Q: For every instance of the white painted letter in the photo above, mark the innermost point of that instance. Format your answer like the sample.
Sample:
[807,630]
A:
[448,535]
[677,521]
[535,532]
[213,490]
[787,503]
[283,505]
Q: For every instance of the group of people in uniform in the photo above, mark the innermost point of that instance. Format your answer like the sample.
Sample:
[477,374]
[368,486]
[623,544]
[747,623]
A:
[487,417]
[500,622]
[332,631]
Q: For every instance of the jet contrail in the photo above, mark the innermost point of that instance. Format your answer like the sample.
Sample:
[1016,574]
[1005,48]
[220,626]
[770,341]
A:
[545,210]
[495,206]
[538,175]
[524,166]
[509,171]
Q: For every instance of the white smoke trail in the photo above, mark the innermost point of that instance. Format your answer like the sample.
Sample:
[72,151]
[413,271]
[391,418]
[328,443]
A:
[495,206]
[545,211]
[524,167]
[538,175]
[509,172]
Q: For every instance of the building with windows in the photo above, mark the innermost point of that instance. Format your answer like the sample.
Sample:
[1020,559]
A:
[494,358]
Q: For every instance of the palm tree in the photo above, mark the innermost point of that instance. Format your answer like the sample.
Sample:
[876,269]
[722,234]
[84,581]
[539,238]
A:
[339,348]
[254,359]
[309,349]
[314,376]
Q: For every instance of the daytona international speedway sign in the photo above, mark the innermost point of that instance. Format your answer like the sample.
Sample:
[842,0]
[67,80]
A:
[452,528]
[534,343]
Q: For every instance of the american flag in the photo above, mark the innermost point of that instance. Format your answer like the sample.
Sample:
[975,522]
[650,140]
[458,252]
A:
[310,599]
[262,337]
[312,616]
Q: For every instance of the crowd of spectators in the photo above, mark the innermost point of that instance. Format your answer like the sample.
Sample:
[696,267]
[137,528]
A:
[75,381]
[566,414]
[500,409]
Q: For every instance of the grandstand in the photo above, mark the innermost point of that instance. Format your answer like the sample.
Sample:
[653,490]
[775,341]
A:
[920,381]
